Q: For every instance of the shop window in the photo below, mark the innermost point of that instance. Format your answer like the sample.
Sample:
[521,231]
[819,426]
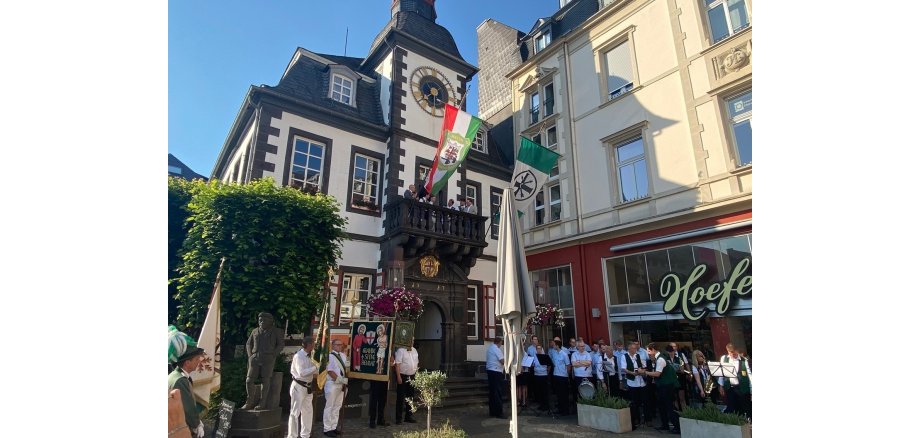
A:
[556,287]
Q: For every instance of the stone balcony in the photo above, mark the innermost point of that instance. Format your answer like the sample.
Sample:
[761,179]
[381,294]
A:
[418,229]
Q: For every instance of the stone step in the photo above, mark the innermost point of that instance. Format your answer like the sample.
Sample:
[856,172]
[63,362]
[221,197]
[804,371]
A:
[452,402]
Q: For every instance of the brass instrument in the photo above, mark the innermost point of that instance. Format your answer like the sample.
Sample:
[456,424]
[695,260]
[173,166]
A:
[709,385]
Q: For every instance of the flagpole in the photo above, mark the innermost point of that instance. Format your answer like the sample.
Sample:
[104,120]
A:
[514,423]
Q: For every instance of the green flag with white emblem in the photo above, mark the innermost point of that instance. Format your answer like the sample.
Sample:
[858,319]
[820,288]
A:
[534,163]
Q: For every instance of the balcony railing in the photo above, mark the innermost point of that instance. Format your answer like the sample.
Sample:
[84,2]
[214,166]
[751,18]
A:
[419,218]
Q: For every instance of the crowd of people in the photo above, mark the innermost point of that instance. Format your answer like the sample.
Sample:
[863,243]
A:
[465,205]
[658,381]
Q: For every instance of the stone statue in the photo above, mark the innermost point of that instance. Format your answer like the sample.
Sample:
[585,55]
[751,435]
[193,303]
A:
[263,346]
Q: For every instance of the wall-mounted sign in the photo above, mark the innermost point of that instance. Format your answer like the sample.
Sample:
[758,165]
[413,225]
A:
[693,299]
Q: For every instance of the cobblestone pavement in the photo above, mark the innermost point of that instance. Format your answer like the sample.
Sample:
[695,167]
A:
[476,422]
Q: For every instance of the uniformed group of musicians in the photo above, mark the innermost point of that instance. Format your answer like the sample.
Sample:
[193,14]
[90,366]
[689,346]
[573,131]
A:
[657,380]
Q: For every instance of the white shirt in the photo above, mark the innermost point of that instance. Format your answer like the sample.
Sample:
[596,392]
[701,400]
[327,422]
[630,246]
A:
[660,363]
[493,356]
[638,362]
[407,361]
[302,368]
[581,370]
[335,366]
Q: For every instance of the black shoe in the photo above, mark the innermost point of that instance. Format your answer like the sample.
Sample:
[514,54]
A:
[338,432]
[329,433]
[411,420]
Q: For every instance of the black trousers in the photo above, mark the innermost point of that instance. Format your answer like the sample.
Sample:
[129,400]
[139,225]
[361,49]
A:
[561,389]
[737,403]
[404,390]
[378,402]
[540,384]
[496,381]
[651,391]
[666,412]
[638,401]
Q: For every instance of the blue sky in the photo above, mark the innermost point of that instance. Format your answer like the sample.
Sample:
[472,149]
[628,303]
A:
[217,49]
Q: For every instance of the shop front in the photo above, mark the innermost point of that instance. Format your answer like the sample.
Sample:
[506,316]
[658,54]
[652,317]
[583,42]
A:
[697,294]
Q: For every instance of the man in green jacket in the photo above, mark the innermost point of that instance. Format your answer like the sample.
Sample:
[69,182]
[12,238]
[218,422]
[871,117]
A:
[186,356]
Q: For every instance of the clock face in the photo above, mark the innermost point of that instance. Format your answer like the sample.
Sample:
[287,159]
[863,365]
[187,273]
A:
[431,90]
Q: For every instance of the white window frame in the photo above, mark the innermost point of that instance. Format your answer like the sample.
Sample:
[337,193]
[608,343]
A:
[723,4]
[307,169]
[373,182]
[479,142]
[568,312]
[475,195]
[740,118]
[552,202]
[493,225]
[423,171]
[474,312]
[534,110]
[542,40]
[613,94]
[350,283]
[344,97]
[554,147]
[538,209]
[630,162]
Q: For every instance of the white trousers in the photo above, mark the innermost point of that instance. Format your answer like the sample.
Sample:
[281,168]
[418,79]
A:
[334,394]
[301,412]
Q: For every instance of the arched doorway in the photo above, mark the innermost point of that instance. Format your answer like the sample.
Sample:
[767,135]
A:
[429,333]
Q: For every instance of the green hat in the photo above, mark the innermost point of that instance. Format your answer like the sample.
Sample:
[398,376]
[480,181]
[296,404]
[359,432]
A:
[181,346]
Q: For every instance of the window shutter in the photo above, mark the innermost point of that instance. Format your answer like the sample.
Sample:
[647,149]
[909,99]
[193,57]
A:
[619,67]
[488,312]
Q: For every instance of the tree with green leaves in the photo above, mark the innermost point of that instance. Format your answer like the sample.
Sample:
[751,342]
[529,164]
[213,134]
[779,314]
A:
[180,193]
[279,244]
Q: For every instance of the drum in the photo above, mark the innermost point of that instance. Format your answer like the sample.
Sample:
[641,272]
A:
[586,389]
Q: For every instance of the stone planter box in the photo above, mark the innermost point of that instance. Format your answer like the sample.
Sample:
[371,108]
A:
[611,420]
[705,429]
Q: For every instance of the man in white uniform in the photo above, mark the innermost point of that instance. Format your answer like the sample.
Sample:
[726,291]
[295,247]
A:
[406,362]
[334,389]
[303,370]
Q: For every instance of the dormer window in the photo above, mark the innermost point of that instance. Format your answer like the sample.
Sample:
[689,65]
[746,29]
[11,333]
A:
[342,89]
[542,40]
[479,143]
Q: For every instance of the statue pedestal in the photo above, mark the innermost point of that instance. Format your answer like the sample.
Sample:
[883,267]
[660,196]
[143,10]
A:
[256,424]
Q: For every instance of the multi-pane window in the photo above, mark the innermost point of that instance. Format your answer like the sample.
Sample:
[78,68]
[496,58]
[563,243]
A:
[619,70]
[472,313]
[554,286]
[636,278]
[471,193]
[631,171]
[726,17]
[552,144]
[342,89]
[479,143]
[355,290]
[496,202]
[534,108]
[422,173]
[542,40]
[539,208]
[548,94]
[555,202]
[365,183]
[307,165]
[739,110]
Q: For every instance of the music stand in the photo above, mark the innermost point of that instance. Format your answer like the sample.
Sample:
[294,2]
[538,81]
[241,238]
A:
[544,359]
[719,369]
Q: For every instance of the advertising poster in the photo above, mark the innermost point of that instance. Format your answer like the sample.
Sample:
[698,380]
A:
[370,350]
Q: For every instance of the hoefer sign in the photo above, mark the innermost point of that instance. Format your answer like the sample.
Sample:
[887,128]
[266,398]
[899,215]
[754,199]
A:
[694,300]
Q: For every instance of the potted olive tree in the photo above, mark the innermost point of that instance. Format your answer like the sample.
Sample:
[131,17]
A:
[604,412]
[709,422]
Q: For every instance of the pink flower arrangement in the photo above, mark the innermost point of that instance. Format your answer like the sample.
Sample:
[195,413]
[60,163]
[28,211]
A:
[548,314]
[397,302]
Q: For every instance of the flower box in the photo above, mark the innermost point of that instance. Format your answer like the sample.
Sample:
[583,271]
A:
[707,429]
[611,420]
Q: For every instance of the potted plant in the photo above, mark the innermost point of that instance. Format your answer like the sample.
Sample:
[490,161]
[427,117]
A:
[709,422]
[401,303]
[430,390]
[604,412]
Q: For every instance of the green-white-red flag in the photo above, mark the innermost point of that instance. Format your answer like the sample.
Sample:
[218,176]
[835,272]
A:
[531,171]
[457,136]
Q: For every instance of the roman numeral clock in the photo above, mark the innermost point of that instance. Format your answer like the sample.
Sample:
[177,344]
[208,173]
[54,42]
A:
[431,90]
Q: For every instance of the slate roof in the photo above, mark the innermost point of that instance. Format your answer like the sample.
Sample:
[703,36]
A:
[308,80]
[563,21]
[422,29]
[186,172]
